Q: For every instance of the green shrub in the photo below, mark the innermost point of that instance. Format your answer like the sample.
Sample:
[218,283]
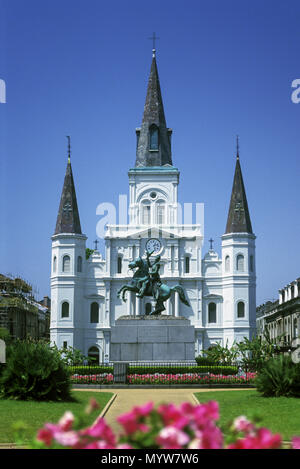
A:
[90,370]
[34,371]
[169,369]
[279,377]
[203,360]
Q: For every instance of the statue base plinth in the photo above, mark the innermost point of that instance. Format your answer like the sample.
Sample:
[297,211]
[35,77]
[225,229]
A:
[158,338]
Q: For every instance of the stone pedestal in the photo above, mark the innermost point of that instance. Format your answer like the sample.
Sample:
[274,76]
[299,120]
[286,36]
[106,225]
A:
[152,338]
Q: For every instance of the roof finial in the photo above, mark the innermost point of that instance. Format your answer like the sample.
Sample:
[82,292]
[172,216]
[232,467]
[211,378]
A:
[69,148]
[237,148]
[154,37]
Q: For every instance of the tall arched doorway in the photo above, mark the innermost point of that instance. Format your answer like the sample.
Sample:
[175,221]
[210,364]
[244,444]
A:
[93,354]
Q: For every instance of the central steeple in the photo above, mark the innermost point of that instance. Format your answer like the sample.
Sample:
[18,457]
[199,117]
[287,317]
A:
[153,138]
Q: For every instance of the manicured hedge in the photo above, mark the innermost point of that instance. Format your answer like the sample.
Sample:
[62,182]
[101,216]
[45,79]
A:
[152,369]
[169,369]
[90,370]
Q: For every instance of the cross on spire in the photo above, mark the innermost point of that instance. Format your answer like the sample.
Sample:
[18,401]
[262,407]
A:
[69,147]
[237,147]
[211,242]
[96,244]
[153,38]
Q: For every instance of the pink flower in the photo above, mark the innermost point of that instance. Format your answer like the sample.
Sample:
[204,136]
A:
[262,439]
[172,415]
[93,405]
[69,438]
[45,435]
[206,412]
[296,442]
[172,438]
[130,423]
[242,424]
[144,410]
[57,432]
[100,430]
[66,422]
[209,438]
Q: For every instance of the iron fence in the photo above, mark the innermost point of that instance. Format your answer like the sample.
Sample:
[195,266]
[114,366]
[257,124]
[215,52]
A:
[162,373]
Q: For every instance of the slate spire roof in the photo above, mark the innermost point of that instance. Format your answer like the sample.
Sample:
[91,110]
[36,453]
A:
[153,118]
[238,220]
[68,215]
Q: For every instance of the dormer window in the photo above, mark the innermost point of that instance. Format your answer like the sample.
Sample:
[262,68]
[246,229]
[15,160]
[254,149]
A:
[153,138]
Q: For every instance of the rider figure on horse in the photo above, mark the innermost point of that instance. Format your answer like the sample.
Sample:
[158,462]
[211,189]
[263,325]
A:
[152,281]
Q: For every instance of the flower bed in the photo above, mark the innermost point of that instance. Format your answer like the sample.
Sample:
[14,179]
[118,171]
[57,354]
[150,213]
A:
[190,378]
[103,378]
[166,378]
[167,427]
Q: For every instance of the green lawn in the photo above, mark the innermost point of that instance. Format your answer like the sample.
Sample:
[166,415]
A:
[34,414]
[279,414]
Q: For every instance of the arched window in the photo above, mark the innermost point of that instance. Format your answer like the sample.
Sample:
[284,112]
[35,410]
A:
[153,138]
[240,262]
[187,264]
[119,267]
[212,313]
[160,214]
[146,214]
[93,354]
[227,264]
[148,308]
[241,309]
[65,310]
[66,264]
[79,264]
[94,313]
[54,263]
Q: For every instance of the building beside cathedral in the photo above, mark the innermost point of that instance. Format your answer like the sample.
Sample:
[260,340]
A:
[221,290]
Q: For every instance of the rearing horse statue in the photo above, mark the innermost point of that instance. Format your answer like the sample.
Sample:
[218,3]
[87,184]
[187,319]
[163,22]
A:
[146,282]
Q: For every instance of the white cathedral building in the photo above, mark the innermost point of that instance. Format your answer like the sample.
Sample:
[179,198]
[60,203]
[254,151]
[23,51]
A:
[221,290]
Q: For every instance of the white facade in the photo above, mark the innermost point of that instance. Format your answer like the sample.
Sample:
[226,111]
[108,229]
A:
[221,291]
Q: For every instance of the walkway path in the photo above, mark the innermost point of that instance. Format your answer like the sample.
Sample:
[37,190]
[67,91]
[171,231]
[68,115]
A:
[125,399]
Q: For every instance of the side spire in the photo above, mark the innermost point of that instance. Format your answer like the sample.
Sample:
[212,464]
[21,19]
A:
[68,220]
[238,220]
[153,138]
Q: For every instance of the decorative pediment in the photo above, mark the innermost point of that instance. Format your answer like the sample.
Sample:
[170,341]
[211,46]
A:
[153,232]
[95,296]
[212,296]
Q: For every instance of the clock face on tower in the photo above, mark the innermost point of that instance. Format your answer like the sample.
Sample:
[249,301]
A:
[154,245]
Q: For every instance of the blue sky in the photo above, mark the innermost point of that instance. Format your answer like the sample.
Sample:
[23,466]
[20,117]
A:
[80,68]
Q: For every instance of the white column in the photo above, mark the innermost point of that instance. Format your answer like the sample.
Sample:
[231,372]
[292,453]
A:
[199,303]
[168,306]
[176,260]
[107,255]
[106,346]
